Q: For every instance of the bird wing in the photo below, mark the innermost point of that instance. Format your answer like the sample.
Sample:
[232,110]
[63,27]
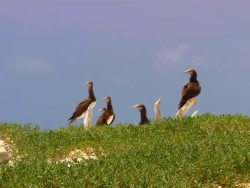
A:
[99,121]
[184,90]
[191,90]
[110,119]
[80,109]
[102,120]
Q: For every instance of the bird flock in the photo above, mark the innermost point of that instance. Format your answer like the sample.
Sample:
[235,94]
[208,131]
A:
[85,108]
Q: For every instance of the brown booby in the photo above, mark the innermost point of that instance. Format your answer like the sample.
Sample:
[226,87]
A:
[81,109]
[190,90]
[110,112]
[143,111]
[157,109]
[185,108]
[102,120]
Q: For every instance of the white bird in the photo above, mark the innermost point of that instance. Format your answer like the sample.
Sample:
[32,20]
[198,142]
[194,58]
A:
[157,109]
[87,123]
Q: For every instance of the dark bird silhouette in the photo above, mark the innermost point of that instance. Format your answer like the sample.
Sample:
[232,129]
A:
[83,106]
[110,112]
[143,111]
[102,120]
[190,90]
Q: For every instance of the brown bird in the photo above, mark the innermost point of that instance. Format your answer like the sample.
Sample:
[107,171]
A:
[110,112]
[190,90]
[143,111]
[102,120]
[82,107]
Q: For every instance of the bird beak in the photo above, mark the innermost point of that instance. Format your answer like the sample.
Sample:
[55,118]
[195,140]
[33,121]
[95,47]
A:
[86,84]
[100,110]
[188,71]
[105,98]
[158,101]
[135,106]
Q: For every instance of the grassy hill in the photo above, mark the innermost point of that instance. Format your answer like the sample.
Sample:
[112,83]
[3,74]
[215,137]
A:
[207,151]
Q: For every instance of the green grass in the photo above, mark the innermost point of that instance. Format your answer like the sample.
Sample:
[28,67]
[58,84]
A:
[203,152]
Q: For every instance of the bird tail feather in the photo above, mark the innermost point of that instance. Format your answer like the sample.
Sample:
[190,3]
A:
[182,103]
[71,120]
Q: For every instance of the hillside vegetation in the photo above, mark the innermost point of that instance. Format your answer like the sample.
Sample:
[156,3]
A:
[207,151]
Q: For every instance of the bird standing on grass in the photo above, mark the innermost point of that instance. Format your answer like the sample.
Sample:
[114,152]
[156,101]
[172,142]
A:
[102,120]
[143,111]
[190,90]
[86,104]
[110,112]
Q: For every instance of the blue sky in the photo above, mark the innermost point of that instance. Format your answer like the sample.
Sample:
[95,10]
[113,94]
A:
[134,51]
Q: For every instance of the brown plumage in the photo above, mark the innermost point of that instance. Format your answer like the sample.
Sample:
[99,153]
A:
[143,111]
[102,120]
[82,107]
[190,90]
[110,112]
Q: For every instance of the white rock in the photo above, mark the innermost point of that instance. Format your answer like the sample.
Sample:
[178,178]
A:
[1,143]
[2,149]
[4,154]
[195,114]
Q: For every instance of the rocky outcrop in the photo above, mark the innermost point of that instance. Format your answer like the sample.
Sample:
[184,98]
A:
[4,154]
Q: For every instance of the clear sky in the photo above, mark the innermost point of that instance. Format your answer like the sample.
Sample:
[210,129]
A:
[133,50]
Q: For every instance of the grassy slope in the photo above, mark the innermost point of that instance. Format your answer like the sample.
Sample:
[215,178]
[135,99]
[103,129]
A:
[187,153]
